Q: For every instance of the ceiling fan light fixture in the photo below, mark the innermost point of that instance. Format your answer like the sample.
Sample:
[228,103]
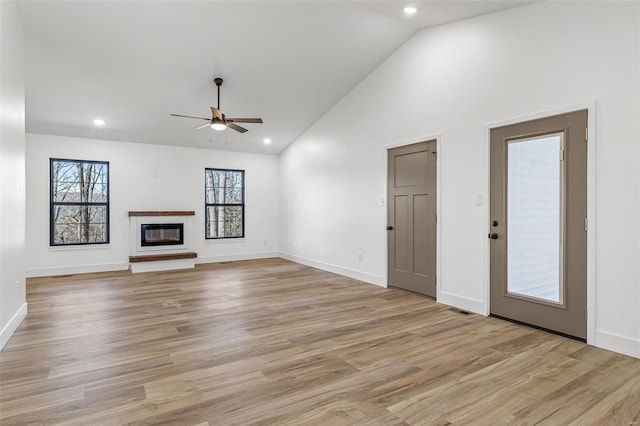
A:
[218,121]
[217,124]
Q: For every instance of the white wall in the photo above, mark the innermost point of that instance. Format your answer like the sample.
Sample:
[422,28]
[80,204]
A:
[454,80]
[148,177]
[13,307]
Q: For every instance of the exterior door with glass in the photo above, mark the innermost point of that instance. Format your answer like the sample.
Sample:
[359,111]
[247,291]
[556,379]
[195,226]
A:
[538,229]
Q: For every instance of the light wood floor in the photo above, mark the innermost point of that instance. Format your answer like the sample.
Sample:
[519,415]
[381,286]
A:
[274,342]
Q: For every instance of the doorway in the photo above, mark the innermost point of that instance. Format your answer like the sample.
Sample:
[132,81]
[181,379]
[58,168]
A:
[538,228]
[411,186]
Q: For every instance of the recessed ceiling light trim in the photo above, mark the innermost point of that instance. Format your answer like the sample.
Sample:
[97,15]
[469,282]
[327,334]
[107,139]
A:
[98,122]
[267,141]
[410,10]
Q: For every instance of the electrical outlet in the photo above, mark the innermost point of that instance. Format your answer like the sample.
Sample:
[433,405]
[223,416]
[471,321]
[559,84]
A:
[17,286]
[264,242]
[359,257]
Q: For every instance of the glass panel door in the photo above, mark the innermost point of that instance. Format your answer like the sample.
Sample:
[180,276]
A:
[535,181]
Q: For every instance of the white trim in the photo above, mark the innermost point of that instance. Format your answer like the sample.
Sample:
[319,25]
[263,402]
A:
[590,106]
[340,270]
[591,218]
[617,343]
[80,247]
[78,269]
[12,325]
[110,267]
[544,114]
[234,257]
[385,249]
[410,141]
[461,302]
[224,240]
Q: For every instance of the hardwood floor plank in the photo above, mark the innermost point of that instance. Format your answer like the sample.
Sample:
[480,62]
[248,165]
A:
[383,418]
[43,399]
[619,407]
[272,342]
[336,413]
[571,401]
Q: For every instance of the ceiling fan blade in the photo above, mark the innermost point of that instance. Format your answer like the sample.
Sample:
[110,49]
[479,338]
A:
[236,128]
[245,120]
[203,126]
[189,116]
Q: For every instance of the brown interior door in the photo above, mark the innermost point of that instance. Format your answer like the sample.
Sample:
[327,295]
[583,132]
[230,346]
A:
[412,217]
[538,211]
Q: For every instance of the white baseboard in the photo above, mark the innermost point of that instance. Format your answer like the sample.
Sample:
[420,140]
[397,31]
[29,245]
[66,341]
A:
[108,267]
[621,344]
[234,257]
[12,325]
[340,270]
[460,302]
[79,269]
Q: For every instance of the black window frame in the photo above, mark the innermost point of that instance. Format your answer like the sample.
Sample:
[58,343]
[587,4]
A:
[207,205]
[53,204]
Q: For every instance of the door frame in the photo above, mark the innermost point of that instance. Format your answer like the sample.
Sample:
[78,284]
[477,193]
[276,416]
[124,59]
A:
[384,204]
[590,106]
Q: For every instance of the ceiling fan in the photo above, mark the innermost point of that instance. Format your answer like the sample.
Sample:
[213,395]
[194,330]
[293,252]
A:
[218,121]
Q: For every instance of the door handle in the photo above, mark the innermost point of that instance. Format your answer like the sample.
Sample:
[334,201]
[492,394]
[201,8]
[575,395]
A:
[493,236]
[389,228]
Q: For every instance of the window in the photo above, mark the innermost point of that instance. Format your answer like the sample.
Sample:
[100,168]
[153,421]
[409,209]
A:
[79,202]
[224,203]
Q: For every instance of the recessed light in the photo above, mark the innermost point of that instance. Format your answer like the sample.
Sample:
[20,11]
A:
[98,122]
[410,10]
[267,141]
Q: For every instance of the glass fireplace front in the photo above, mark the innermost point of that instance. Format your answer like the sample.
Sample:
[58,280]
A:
[162,234]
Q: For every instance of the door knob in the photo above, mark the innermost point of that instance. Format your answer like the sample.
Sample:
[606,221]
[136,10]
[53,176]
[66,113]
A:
[389,228]
[493,236]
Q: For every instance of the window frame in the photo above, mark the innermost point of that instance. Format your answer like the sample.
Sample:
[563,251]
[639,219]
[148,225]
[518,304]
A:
[53,204]
[241,205]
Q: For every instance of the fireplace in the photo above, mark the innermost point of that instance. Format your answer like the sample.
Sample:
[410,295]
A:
[161,240]
[161,234]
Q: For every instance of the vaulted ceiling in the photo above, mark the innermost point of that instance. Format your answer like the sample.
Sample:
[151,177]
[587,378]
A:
[133,63]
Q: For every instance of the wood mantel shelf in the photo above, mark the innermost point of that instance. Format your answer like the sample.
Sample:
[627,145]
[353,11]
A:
[165,213]
[156,257]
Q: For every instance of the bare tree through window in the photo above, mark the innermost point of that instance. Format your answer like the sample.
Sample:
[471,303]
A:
[224,203]
[79,202]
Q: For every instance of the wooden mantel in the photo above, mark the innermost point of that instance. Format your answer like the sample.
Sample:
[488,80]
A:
[168,256]
[165,213]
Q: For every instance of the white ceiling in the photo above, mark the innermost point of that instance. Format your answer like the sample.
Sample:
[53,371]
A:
[133,63]
[438,12]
